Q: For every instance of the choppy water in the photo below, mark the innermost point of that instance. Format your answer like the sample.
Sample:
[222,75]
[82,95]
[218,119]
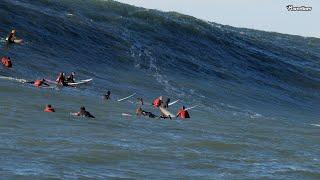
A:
[258,94]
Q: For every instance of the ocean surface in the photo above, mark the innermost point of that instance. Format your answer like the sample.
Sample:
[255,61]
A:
[258,95]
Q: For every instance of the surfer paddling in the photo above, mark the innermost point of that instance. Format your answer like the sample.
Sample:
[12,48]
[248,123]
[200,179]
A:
[11,38]
[83,113]
[39,83]
[140,112]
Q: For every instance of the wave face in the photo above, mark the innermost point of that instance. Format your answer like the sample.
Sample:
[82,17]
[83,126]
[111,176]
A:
[234,74]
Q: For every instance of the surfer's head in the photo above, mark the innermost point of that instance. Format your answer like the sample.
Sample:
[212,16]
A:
[82,108]
[183,107]
[13,31]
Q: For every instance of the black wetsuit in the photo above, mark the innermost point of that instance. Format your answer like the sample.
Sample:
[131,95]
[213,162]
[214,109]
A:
[85,113]
[149,114]
[11,38]
[70,79]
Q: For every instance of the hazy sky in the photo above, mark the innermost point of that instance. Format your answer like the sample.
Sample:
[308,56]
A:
[269,15]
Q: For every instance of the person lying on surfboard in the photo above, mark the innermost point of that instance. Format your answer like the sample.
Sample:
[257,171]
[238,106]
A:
[11,38]
[70,78]
[182,113]
[107,96]
[83,113]
[6,62]
[38,83]
[140,112]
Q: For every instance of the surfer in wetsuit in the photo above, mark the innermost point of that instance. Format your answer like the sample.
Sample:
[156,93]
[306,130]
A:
[70,78]
[107,96]
[165,103]
[11,38]
[183,113]
[83,113]
[157,102]
[61,80]
[140,112]
[6,62]
[49,109]
[38,83]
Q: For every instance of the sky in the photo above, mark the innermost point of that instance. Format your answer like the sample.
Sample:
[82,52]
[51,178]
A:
[267,15]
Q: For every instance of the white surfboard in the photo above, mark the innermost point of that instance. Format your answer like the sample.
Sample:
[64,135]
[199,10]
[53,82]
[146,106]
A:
[119,100]
[126,114]
[191,107]
[13,79]
[80,82]
[166,112]
[172,103]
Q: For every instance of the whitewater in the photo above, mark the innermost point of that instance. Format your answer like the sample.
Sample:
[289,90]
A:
[258,96]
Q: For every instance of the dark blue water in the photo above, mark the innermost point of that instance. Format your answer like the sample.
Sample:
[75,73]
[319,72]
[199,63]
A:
[258,94]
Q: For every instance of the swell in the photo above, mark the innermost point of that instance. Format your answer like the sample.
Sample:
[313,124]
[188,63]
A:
[107,39]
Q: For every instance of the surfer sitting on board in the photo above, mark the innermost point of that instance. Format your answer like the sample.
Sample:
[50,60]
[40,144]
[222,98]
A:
[61,80]
[107,96]
[6,62]
[11,38]
[182,113]
[38,83]
[83,113]
[70,78]
[49,109]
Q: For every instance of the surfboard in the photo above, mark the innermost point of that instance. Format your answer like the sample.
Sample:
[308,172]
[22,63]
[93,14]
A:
[166,112]
[126,114]
[191,107]
[318,125]
[172,103]
[18,41]
[80,82]
[119,100]
[13,79]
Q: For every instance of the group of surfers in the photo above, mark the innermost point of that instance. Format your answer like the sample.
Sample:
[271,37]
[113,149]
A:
[63,81]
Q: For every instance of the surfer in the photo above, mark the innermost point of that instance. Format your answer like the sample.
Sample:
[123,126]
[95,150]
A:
[49,108]
[38,83]
[6,62]
[11,38]
[165,103]
[83,113]
[70,78]
[107,96]
[61,80]
[183,113]
[157,102]
[140,112]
